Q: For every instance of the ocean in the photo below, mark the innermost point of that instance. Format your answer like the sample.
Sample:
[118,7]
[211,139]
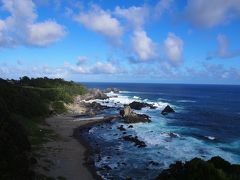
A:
[206,124]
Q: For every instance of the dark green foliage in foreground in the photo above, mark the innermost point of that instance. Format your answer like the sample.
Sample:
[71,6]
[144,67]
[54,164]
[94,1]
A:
[22,101]
[198,169]
[23,105]
[14,149]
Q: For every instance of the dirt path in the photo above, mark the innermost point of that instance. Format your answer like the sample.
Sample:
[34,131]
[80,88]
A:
[63,158]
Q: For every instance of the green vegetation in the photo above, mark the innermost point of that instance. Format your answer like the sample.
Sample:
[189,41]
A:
[198,169]
[24,104]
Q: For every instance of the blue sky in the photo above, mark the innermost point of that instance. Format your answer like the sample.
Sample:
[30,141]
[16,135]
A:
[162,41]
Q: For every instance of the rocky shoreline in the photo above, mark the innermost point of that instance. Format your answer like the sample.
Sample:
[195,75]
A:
[88,107]
[127,115]
[88,154]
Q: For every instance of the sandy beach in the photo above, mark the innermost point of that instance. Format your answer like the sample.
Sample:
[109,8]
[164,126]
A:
[64,157]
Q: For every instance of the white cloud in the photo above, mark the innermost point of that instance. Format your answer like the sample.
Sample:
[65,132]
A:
[223,49]
[143,46]
[173,47]
[76,69]
[81,60]
[104,68]
[42,34]
[135,15]
[223,46]
[19,28]
[205,13]
[96,68]
[161,6]
[100,21]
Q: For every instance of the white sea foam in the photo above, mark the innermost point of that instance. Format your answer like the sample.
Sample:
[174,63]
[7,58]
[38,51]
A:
[91,131]
[210,137]
[186,101]
[159,104]
[156,138]
[119,100]
[136,97]
[170,134]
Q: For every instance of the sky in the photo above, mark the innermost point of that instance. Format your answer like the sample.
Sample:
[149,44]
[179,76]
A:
[148,41]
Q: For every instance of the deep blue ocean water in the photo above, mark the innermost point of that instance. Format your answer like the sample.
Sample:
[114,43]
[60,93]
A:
[206,124]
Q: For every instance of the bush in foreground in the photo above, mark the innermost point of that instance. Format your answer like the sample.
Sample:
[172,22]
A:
[198,169]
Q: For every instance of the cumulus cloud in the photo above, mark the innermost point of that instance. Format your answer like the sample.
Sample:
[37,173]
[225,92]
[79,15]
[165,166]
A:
[76,69]
[173,47]
[104,68]
[223,49]
[20,27]
[143,46]
[42,34]
[136,16]
[81,60]
[96,68]
[161,7]
[100,21]
[205,13]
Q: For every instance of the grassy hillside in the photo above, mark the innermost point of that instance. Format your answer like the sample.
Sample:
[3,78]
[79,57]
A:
[24,104]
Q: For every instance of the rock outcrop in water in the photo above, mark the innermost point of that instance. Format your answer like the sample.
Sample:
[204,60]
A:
[121,128]
[214,169]
[135,140]
[126,111]
[139,105]
[108,90]
[167,110]
[131,117]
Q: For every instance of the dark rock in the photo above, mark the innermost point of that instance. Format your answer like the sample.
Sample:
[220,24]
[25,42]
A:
[106,168]
[131,126]
[121,128]
[93,108]
[173,135]
[135,140]
[153,163]
[121,112]
[136,118]
[139,105]
[129,178]
[216,168]
[167,110]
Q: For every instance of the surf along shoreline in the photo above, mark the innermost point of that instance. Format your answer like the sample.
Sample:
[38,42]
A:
[89,160]
[89,152]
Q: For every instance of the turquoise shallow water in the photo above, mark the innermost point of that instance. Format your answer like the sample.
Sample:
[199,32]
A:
[206,124]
